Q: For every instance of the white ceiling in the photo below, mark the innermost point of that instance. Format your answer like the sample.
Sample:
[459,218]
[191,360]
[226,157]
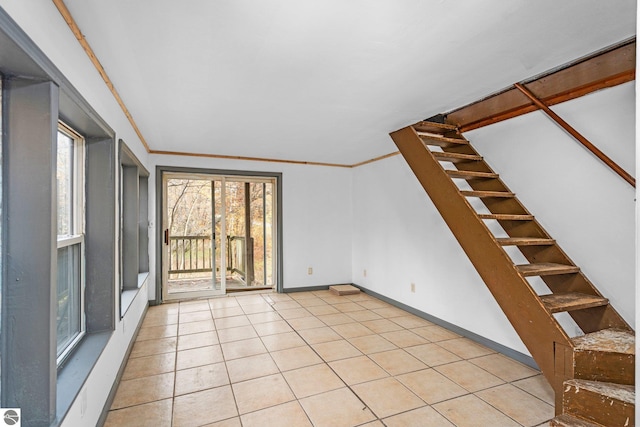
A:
[326,80]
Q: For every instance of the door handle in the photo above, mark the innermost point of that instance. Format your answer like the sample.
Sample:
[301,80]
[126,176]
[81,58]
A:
[166,236]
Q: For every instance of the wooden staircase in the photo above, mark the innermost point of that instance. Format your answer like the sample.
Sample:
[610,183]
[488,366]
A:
[592,374]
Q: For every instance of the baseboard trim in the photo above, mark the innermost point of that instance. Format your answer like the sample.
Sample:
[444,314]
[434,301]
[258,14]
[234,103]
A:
[509,352]
[306,289]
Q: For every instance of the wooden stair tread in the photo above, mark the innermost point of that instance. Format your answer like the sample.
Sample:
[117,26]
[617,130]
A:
[455,157]
[609,340]
[500,194]
[506,217]
[525,241]
[622,392]
[471,174]
[566,420]
[546,269]
[433,127]
[439,140]
[571,301]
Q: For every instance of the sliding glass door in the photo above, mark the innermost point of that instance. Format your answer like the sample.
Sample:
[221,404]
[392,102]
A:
[219,234]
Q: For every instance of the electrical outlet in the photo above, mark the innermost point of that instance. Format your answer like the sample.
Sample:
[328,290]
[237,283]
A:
[310,271]
[413,287]
[365,272]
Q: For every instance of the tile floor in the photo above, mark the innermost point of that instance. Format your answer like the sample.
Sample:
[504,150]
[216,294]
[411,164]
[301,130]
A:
[316,359]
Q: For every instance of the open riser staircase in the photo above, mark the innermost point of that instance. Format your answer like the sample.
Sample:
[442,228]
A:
[531,278]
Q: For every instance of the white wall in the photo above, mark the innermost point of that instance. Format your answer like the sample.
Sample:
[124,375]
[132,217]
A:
[400,238]
[316,209]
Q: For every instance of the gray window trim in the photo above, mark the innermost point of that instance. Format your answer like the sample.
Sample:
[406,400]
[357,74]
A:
[29,377]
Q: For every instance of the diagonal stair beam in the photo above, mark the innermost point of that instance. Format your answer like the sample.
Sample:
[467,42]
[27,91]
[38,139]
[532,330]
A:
[577,135]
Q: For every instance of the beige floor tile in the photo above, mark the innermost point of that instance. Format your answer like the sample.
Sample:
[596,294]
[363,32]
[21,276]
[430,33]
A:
[423,417]
[311,302]
[267,316]
[519,405]
[251,367]
[256,308]
[503,367]
[198,357]
[159,320]
[336,408]
[276,297]
[376,423]
[334,299]
[335,319]
[312,380]
[318,335]
[191,306]
[164,309]
[470,411]
[261,393]
[435,333]
[272,328]
[231,422]
[294,313]
[465,348]
[357,370]
[290,413]
[372,344]
[431,386]
[404,338]
[196,327]
[200,378]
[382,325]
[397,362]
[226,312]
[347,307]
[294,358]
[322,310]
[154,414]
[236,334]
[201,339]
[387,396]
[232,322]
[283,341]
[432,354]
[243,348]
[156,332]
[286,305]
[149,365]
[335,350]
[150,347]
[390,312]
[469,376]
[411,321]
[143,390]
[352,330]
[302,323]
[196,316]
[374,304]
[253,299]
[224,302]
[363,315]
[538,386]
[203,407]
[298,296]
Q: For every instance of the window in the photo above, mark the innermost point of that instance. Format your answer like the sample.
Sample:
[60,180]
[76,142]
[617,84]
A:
[70,324]
[134,226]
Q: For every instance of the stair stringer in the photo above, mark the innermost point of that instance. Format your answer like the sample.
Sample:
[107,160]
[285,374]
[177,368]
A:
[539,331]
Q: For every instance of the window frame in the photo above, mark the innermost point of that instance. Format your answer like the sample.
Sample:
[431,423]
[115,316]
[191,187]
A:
[77,236]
